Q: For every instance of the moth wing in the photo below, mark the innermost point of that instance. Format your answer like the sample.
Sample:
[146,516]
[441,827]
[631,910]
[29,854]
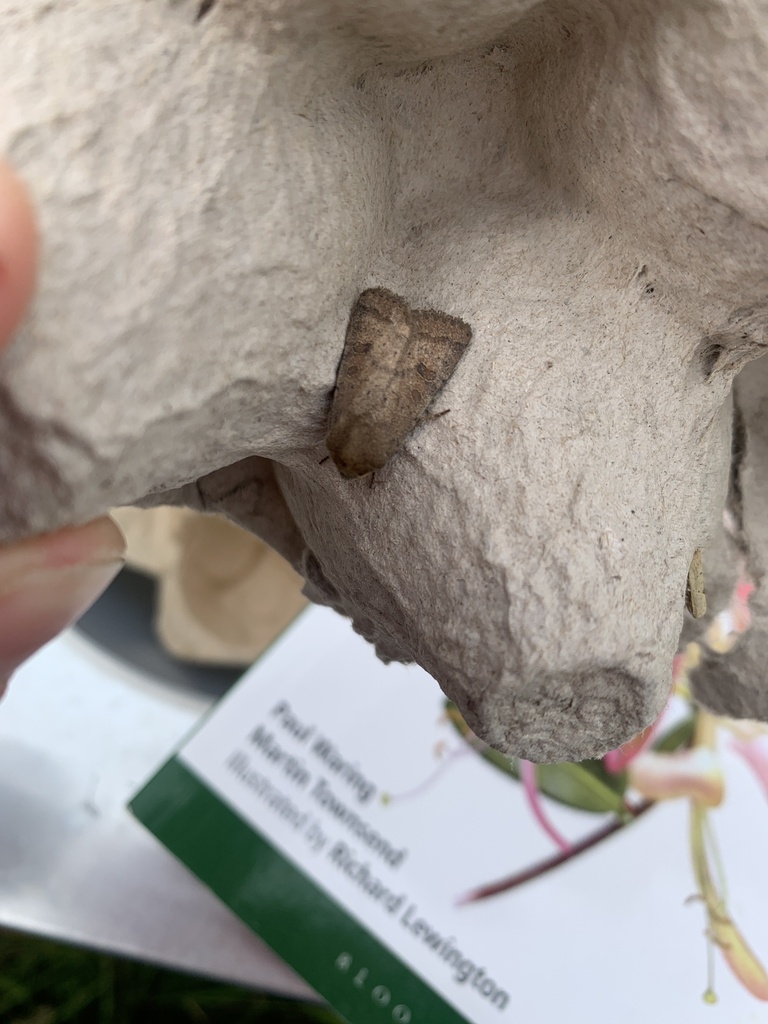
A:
[439,343]
[377,339]
[395,363]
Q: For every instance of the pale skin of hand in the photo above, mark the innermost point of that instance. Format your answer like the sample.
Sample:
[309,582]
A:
[49,581]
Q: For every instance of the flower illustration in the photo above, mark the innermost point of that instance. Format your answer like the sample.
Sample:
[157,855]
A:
[677,761]
[696,773]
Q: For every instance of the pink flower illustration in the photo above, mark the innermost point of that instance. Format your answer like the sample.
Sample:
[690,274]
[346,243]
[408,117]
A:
[696,773]
[677,761]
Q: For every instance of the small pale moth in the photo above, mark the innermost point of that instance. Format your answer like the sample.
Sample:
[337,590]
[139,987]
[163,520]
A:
[395,362]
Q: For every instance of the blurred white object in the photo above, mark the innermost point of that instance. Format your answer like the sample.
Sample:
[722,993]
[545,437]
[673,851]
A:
[79,733]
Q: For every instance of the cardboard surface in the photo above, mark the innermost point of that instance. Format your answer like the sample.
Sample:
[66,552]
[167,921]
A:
[582,184]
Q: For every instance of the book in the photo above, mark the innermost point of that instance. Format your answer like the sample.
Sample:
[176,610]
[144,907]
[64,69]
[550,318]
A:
[344,811]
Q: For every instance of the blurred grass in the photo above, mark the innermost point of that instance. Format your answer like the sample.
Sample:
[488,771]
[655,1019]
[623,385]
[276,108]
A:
[44,982]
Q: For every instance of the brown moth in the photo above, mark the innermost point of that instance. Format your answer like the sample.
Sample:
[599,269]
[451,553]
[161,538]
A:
[395,362]
[695,598]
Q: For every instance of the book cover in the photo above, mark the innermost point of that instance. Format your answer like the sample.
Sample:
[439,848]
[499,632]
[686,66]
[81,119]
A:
[342,809]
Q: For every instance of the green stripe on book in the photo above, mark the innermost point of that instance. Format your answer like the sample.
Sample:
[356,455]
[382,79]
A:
[339,958]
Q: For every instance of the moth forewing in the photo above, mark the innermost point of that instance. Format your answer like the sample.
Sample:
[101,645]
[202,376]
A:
[378,331]
[395,362]
[439,343]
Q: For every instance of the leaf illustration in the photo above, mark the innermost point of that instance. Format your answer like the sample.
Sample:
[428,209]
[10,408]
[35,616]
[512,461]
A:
[585,785]
[678,737]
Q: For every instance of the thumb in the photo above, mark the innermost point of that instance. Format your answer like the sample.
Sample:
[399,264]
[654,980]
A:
[18,252]
[46,582]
